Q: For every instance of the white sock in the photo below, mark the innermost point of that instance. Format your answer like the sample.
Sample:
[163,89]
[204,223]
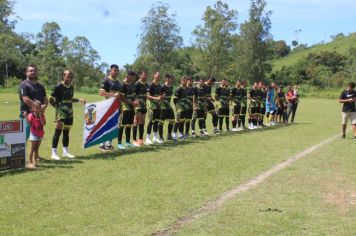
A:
[148,136]
[65,150]
[174,135]
[155,134]
[54,151]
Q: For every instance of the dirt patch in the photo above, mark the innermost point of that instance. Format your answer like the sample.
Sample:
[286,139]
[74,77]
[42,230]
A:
[342,199]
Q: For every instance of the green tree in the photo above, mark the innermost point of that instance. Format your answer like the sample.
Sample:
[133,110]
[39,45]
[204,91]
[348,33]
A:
[48,53]
[160,37]
[251,44]
[82,59]
[213,39]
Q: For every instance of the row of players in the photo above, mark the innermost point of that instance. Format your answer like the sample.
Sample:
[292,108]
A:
[191,103]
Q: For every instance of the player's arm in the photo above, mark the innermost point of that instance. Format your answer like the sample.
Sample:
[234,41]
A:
[344,99]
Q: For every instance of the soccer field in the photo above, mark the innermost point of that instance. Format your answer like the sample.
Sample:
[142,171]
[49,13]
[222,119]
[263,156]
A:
[142,191]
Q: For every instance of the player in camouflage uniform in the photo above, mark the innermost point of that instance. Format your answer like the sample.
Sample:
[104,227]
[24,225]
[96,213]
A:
[180,101]
[253,106]
[210,104]
[222,98]
[237,100]
[199,108]
[62,100]
[110,87]
[140,89]
[128,110]
[167,113]
[189,112]
[154,112]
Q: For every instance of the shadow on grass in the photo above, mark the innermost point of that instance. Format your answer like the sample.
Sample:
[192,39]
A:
[43,165]
[67,163]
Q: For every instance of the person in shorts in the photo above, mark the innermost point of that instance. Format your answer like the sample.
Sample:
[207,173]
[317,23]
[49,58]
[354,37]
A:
[348,98]
[62,100]
[167,113]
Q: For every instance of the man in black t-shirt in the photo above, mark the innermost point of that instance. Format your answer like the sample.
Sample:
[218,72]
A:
[110,87]
[30,90]
[348,98]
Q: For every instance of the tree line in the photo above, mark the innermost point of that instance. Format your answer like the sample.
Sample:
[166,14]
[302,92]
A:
[221,48]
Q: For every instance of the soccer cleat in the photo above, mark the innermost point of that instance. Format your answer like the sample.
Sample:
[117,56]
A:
[343,136]
[128,144]
[103,149]
[55,157]
[68,155]
[156,140]
[148,141]
[169,137]
[235,130]
[194,135]
[181,136]
[121,146]
[136,143]
[109,148]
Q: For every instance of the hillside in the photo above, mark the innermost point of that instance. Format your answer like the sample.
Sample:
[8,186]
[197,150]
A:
[340,45]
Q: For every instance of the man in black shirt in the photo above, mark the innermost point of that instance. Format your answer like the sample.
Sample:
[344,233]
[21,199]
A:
[30,90]
[110,87]
[348,98]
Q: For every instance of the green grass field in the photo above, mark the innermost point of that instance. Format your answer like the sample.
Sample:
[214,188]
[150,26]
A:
[141,191]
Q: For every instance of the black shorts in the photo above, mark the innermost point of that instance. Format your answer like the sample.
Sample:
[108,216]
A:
[189,114]
[181,116]
[167,114]
[223,112]
[127,117]
[210,106]
[237,109]
[67,123]
[154,115]
[198,114]
[243,111]
[262,111]
[253,110]
[141,111]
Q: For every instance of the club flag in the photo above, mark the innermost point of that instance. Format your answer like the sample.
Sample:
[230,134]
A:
[100,122]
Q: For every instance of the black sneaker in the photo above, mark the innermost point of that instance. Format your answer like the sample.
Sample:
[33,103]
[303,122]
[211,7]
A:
[109,148]
[343,136]
[103,148]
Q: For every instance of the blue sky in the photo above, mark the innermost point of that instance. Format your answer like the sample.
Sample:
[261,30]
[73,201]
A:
[113,26]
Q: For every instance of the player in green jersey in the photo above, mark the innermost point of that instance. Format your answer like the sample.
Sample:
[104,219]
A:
[128,110]
[167,113]
[62,100]
[199,105]
[222,98]
[154,112]
[140,90]
[179,99]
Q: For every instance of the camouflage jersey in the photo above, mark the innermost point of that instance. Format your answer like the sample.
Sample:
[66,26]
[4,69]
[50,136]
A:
[127,91]
[207,90]
[63,99]
[253,96]
[180,97]
[190,94]
[244,97]
[200,98]
[223,97]
[140,90]
[155,91]
[264,97]
[237,96]
[167,91]
[110,85]
[259,97]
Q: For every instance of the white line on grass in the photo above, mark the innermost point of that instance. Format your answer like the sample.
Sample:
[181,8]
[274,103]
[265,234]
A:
[214,204]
